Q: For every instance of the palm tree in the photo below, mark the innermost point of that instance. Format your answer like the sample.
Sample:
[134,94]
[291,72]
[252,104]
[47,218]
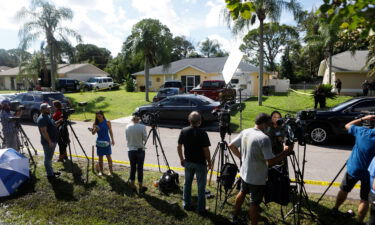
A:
[43,21]
[154,42]
[209,47]
[246,13]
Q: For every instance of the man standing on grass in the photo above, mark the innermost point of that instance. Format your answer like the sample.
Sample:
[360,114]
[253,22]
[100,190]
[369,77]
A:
[195,159]
[49,136]
[357,166]
[256,156]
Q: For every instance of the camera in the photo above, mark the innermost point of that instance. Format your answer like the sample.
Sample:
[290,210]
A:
[16,106]
[367,123]
[223,115]
[66,112]
[293,129]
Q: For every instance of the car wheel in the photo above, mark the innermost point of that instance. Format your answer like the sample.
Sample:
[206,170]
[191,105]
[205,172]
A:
[109,88]
[97,89]
[319,134]
[34,116]
[146,117]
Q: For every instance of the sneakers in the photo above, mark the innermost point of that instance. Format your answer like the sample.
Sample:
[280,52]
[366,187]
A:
[54,176]
[348,214]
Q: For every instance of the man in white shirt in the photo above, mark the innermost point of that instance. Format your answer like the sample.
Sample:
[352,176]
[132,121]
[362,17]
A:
[256,156]
[136,137]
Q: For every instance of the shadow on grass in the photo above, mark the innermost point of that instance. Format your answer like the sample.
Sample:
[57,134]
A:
[165,207]
[63,190]
[76,171]
[92,106]
[119,186]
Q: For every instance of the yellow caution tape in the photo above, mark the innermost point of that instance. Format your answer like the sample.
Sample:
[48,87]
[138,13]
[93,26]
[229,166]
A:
[302,93]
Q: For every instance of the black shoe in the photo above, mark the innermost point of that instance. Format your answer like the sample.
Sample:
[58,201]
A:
[143,190]
[203,213]
[335,213]
[189,208]
[54,176]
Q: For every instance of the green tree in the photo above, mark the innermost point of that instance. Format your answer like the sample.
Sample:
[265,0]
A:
[44,20]
[92,54]
[275,37]
[245,13]
[209,47]
[116,68]
[181,48]
[30,68]
[153,41]
[286,70]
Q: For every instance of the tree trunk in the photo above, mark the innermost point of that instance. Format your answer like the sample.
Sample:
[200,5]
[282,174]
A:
[330,69]
[261,63]
[53,65]
[147,77]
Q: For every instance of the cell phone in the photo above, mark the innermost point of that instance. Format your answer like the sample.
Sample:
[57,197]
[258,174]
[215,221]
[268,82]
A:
[90,129]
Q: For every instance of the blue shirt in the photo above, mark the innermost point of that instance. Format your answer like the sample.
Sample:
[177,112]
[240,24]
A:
[371,170]
[45,120]
[9,126]
[363,151]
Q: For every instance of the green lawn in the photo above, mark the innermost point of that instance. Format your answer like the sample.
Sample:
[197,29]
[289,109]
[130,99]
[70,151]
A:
[109,200]
[289,103]
[115,104]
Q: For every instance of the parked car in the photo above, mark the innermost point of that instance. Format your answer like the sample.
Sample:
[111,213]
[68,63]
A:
[98,83]
[327,124]
[33,99]
[174,84]
[213,88]
[165,92]
[178,107]
[67,84]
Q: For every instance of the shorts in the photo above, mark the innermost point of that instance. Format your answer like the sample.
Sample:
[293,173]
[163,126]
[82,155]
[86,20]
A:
[348,182]
[256,192]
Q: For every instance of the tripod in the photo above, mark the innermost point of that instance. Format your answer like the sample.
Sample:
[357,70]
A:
[156,142]
[224,155]
[25,141]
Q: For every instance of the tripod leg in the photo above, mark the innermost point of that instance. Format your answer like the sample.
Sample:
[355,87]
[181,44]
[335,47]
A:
[329,186]
[162,150]
[213,163]
[154,134]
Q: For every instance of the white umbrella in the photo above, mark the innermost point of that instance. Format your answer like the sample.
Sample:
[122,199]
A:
[14,170]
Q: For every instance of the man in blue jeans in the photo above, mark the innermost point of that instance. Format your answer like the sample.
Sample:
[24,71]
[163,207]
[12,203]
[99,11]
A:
[357,166]
[49,136]
[195,159]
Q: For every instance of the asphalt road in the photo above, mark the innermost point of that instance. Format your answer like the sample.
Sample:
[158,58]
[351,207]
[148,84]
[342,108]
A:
[322,163]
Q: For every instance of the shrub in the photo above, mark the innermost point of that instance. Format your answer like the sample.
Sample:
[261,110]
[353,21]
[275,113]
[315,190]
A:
[130,86]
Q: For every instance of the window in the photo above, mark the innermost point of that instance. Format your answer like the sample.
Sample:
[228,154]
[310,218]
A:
[70,81]
[28,98]
[364,106]
[19,98]
[182,102]
[158,79]
[234,81]
[167,101]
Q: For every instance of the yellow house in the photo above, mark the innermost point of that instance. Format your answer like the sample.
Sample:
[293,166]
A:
[349,68]
[193,71]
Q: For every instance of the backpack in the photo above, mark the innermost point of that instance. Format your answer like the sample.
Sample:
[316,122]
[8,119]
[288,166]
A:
[169,182]
[228,175]
[277,186]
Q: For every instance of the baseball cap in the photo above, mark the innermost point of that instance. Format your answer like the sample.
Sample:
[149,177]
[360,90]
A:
[44,106]
[6,101]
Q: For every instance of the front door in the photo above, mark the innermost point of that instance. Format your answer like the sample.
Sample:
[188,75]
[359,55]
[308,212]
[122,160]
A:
[190,82]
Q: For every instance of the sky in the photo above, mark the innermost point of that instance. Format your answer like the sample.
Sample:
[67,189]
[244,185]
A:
[107,23]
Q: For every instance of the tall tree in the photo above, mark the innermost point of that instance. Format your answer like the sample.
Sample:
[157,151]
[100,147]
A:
[245,13]
[209,47]
[276,36]
[43,20]
[181,48]
[286,70]
[92,54]
[153,41]
[13,57]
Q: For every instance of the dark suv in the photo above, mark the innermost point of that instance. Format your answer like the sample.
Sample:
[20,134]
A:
[327,124]
[32,100]
[67,84]
[174,84]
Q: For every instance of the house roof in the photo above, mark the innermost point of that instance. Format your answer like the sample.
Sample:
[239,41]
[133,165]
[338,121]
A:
[3,68]
[206,65]
[62,69]
[348,62]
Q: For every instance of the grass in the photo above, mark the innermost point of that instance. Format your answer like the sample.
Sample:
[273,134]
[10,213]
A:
[289,103]
[114,104]
[109,200]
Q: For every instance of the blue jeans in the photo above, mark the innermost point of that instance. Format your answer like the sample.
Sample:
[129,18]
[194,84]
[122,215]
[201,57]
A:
[48,155]
[201,171]
[136,158]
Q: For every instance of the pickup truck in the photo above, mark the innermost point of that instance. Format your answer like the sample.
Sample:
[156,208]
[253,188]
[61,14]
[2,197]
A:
[215,90]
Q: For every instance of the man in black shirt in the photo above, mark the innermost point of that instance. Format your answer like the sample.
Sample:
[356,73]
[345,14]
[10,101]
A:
[195,159]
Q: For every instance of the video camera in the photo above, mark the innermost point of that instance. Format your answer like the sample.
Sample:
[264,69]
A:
[367,123]
[293,129]
[16,106]
[223,115]
[66,112]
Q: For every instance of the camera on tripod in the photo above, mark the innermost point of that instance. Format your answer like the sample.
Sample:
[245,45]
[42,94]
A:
[66,112]
[367,123]
[16,106]
[223,115]
[293,129]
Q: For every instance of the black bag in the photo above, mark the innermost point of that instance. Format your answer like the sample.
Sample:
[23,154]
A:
[278,186]
[169,182]
[228,175]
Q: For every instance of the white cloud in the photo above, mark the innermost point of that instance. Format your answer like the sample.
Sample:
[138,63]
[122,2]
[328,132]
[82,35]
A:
[8,13]
[225,44]
[213,17]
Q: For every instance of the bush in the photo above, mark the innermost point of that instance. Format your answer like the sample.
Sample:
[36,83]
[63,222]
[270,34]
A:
[130,86]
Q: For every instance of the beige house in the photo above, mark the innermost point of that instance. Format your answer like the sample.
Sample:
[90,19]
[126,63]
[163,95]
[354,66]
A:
[349,68]
[193,71]
[81,72]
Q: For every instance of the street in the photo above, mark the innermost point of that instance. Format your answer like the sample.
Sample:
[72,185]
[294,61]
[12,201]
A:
[322,163]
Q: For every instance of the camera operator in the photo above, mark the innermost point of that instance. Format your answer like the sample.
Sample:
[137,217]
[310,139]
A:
[9,126]
[197,157]
[136,136]
[49,137]
[362,154]
[256,157]
[276,134]
[62,129]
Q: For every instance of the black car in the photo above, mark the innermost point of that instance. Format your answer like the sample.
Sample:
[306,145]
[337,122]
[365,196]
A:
[67,84]
[33,99]
[178,107]
[327,124]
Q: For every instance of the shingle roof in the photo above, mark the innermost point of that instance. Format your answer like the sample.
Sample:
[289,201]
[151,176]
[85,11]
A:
[3,68]
[207,65]
[347,62]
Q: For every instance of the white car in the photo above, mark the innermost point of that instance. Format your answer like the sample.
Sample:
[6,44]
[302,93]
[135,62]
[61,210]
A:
[100,83]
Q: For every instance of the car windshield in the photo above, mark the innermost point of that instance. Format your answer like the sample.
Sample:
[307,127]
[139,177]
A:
[92,80]
[172,84]
[343,105]
[51,97]
[213,84]
[205,100]
[168,92]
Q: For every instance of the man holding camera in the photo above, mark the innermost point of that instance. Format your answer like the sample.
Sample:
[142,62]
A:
[136,137]
[9,126]
[357,166]
[256,157]
[196,159]
[49,136]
